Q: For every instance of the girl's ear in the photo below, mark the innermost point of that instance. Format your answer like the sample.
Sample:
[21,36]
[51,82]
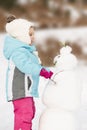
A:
[10,18]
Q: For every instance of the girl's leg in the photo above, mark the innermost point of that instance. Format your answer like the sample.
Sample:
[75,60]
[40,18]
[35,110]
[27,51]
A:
[24,111]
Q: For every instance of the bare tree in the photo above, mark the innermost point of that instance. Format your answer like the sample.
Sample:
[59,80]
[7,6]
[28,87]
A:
[7,3]
[79,4]
[44,3]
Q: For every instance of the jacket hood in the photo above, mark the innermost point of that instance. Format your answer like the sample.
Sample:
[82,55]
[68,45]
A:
[11,44]
[19,28]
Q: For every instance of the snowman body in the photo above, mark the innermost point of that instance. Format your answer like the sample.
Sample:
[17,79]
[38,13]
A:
[63,98]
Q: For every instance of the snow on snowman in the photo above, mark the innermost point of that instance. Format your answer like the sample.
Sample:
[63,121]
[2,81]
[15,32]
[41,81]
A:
[62,98]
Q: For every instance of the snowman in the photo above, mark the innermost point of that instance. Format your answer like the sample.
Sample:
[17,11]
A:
[62,94]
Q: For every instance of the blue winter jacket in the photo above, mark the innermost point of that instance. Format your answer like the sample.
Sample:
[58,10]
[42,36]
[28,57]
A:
[22,56]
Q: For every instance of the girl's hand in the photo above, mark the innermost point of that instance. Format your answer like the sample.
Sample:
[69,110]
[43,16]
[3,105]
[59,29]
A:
[46,74]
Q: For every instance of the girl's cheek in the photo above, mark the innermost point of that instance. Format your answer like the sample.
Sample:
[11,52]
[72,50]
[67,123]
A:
[32,38]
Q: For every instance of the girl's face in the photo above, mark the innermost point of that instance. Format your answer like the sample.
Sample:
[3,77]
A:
[31,34]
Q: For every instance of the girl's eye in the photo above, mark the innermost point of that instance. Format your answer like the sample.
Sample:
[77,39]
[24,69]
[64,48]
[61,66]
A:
[58,56]
[30,34]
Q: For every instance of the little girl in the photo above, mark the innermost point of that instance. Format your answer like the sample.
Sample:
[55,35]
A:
[23,71]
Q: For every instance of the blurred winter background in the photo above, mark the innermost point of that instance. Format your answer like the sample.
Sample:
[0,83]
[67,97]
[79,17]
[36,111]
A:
[56,21]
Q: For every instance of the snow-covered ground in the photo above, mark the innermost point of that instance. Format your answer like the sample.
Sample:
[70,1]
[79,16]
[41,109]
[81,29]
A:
[63,34]
[6,109]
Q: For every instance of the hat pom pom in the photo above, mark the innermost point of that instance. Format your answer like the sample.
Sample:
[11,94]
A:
[10,18]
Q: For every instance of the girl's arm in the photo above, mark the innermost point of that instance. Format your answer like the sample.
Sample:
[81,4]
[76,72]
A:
[24,63]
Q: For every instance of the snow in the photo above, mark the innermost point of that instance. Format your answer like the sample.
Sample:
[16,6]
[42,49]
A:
[6,109]
[64,34]
[22,2]
[74,13]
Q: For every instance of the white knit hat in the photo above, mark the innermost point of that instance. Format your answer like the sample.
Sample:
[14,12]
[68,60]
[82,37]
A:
[19,29]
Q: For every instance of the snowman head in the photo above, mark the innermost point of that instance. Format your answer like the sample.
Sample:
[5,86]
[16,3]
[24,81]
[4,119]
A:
[66,60]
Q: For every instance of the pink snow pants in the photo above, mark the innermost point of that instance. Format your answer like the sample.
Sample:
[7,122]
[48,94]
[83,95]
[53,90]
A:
[24,111]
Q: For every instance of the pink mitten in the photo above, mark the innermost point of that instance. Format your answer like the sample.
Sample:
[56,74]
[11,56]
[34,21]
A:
[46,74]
